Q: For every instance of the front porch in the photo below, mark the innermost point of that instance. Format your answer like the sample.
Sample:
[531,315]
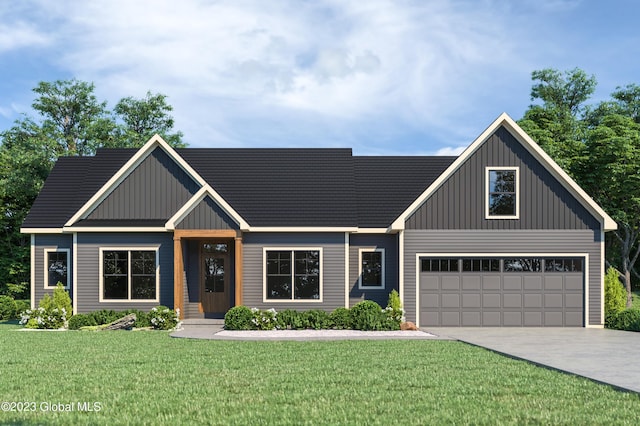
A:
[207,272]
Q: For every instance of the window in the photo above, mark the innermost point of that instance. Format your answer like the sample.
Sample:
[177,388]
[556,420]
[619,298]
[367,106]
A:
[523,265]
[129,274]
[480,265]
[56,264]
[502,193]
[371,274]
[440,265]
[563,265]
[293,274]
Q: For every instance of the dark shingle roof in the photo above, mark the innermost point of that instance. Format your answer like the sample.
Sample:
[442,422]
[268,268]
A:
[386,186]
[267,187]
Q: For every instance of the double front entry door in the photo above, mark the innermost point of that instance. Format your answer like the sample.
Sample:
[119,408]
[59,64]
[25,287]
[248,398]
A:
[215,269]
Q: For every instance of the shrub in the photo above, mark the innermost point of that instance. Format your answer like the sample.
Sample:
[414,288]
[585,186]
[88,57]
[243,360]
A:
[263,320]
[368,315]
[163,318]
[340,319]
[52,312]
[627,319]
[238,318]
[316,319]
[8,308]
[615,295]
[105,316]
[81,320]
[290,319]
[394,311]
[21,306]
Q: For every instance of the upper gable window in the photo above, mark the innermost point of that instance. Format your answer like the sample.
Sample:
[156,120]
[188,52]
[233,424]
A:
[502,196]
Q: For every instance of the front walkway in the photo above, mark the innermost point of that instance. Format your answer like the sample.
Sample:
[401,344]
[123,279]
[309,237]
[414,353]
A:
[607,356]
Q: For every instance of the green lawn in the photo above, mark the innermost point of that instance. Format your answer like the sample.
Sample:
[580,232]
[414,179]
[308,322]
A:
[149,378]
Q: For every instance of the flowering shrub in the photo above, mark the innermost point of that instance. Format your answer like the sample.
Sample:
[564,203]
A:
[52,313]
[163,318]
[263,320]
[394,311]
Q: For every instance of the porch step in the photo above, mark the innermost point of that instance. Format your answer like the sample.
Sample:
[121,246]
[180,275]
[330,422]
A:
[203,321]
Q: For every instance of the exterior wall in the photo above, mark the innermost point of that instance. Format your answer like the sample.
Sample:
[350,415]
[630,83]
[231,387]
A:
[516,241]
[88,286]
[207,215]
[51,241]
[333,268]
[372,241]
[460,202]
[156,189]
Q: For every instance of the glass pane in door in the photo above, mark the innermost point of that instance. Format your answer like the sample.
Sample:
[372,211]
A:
[214,275]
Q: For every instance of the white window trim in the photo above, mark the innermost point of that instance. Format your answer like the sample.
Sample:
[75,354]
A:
[292,249]
[486,191]
[129,250]
[370,287]
[46,266]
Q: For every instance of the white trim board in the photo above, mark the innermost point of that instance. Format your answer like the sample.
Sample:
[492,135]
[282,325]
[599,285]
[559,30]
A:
[585,300]
[608,224]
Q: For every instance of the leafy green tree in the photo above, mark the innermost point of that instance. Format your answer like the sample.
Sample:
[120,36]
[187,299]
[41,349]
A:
[71,121]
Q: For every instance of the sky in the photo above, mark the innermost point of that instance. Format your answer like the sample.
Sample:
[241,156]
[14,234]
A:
[403,77]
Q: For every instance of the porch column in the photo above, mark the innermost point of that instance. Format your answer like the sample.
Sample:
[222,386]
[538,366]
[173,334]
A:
[178,275]
[238,268]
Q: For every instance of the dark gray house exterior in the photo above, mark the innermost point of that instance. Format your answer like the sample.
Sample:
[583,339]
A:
[499,236]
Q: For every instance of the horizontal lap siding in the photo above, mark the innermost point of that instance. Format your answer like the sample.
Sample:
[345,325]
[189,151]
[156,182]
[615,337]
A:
[517,241]
[333,264]
[372,241]
[89,267]
[51,241]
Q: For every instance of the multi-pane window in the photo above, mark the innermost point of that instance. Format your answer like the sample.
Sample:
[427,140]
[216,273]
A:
[523,265]
[292,275]
[57,265]
[480,265]
[371,269]
[502,193]
[563,265]
[440,265]
[129,275]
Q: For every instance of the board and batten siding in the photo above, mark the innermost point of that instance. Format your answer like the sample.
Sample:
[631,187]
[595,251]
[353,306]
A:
[156,189]
[516,241]
[51,241]
[459,203]
[333,264]
[88,286]
[373,241]
[207,215]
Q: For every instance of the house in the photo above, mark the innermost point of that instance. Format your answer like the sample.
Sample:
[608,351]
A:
[499,236]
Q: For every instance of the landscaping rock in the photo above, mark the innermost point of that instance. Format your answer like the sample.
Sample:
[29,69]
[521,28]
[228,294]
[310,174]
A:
[408,325]
[124,323]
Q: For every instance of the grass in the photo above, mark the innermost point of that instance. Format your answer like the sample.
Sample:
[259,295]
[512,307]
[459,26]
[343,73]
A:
[149,378]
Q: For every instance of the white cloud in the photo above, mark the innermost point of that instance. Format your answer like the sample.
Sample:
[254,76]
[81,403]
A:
[17,35]
[450,150]
[314,72]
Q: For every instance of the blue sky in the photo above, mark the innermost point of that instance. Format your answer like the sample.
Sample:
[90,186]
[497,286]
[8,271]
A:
[382,77]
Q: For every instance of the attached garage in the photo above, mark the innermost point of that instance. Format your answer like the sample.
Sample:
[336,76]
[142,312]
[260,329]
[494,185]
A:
[502,291]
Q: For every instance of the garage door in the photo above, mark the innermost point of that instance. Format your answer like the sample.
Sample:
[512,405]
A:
[505,291]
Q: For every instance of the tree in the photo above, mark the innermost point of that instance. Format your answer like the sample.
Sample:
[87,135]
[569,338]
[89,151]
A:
[71,121]
[145,117]
[599,146]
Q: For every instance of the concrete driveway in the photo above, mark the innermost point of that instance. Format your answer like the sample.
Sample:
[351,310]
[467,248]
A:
[607,356]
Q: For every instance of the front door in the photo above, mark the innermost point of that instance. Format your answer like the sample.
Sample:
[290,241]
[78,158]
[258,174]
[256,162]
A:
[215,267]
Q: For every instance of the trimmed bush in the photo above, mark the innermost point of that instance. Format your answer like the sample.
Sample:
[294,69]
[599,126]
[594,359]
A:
[368,315]
[341,319]
[290,319]
[316,319]
[81,320]
[627,319]
[615,295]
[163,318]
[8,308]
[105,316]
[238,318]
